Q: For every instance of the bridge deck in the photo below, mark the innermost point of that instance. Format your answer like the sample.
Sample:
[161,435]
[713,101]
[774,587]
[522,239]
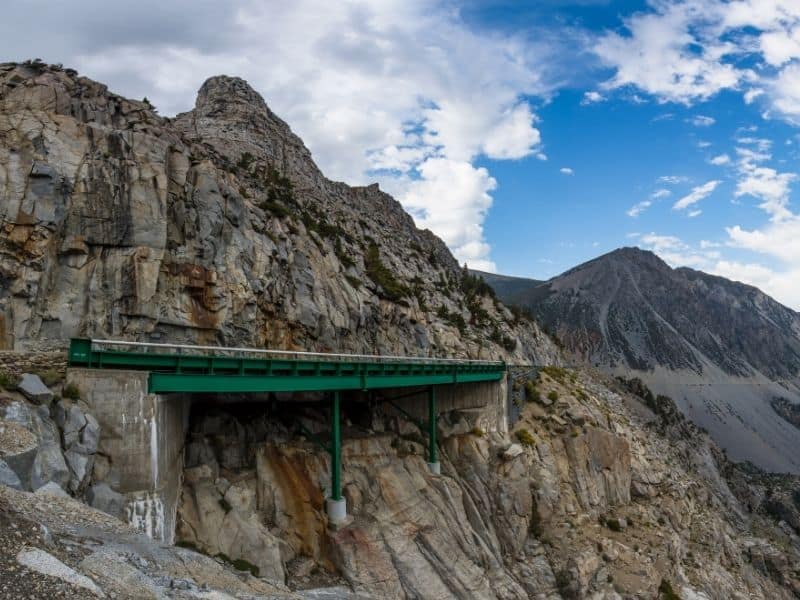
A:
[179,368]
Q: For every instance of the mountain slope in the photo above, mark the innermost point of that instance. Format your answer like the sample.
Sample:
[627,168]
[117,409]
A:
[213,227]
[722,349]
[506,286]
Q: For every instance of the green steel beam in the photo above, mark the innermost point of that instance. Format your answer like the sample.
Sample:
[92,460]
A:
[336,449]
[180,372]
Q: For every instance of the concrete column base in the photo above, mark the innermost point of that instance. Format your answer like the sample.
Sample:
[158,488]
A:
[435,468]
[337,510]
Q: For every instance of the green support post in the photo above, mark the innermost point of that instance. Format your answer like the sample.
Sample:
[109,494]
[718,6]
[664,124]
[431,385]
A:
[336,505]
[433,459]
[336,449]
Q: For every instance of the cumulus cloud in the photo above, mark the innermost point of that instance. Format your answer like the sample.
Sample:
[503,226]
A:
[689,50]
[566,171]
[720,160]
[404,92]
[697,194]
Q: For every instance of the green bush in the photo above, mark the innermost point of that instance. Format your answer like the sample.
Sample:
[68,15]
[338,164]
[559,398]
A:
[531,392]
[391,289]
[553,395]
[614,524]
[666,591]
[71,392]
[8,381]
[452,318]
[525,437]
[275,208]
[354,281]
[478,432]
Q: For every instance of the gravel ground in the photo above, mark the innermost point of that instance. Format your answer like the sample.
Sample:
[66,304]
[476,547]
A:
[18,582]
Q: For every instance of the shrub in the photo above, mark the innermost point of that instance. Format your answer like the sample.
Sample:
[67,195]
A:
[556,373]
[525,437]
[71,392]
[354,281]
[50,377]
[614,525]
[382,276]
[553,395]
[666,591]
[8,381]
[275,208]
[245,160]
[531,392]
[477,431]
[452,318]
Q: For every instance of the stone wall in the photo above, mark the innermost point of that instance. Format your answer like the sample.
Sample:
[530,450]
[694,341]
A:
[32,362]
[141,444]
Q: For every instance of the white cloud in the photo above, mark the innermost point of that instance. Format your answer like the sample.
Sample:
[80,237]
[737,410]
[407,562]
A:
[566,171]
[541,156]
[673,179]
[592,97]
[763,183]
[376,88]
[694,213]
[722,159]
[696,195]
[639,208]
[660,193]
[689,50]
[702,121]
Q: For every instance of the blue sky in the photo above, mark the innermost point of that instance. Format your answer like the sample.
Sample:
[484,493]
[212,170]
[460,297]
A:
[530,136]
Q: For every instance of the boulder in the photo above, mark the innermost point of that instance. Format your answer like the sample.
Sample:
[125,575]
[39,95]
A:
[47,564]
[52,489]
[513,451]
[8,477]
[80,466]
[90,436]
[34,389]
[49,465]
[102,497]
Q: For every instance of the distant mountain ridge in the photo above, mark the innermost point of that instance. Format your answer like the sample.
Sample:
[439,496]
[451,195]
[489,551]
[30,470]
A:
[688,334]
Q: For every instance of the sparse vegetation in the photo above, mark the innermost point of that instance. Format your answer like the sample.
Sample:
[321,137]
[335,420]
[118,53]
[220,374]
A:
[50,377]
[239,564]
[71,392]
[390,288]
[552,395]
[354,281]
[452,318]
[532,392]
[666,591]
[613,525]
[8,381]
[525,437]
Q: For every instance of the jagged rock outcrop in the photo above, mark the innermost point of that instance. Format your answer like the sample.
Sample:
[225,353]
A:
[213,227]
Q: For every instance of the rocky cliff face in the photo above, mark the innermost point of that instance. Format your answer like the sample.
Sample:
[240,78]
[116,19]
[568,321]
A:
[598,497]
[212,227]
[723,350]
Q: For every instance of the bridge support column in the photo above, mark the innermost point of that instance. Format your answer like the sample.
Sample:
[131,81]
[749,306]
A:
[433,459]
[336,505]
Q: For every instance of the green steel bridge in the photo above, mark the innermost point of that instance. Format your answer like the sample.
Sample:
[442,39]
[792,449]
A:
[176,368]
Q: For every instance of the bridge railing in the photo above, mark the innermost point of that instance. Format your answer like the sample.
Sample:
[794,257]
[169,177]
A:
[233,352]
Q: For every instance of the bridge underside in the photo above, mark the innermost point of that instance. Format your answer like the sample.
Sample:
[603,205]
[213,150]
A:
[178,373]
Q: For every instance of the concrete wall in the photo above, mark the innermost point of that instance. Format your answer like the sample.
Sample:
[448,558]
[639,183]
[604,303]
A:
[141,437]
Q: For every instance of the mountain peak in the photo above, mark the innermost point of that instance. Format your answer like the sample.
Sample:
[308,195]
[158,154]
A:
[223,94]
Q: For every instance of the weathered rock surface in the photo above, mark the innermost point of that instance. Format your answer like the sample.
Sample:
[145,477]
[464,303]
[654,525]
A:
[216,227]
[34,389]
